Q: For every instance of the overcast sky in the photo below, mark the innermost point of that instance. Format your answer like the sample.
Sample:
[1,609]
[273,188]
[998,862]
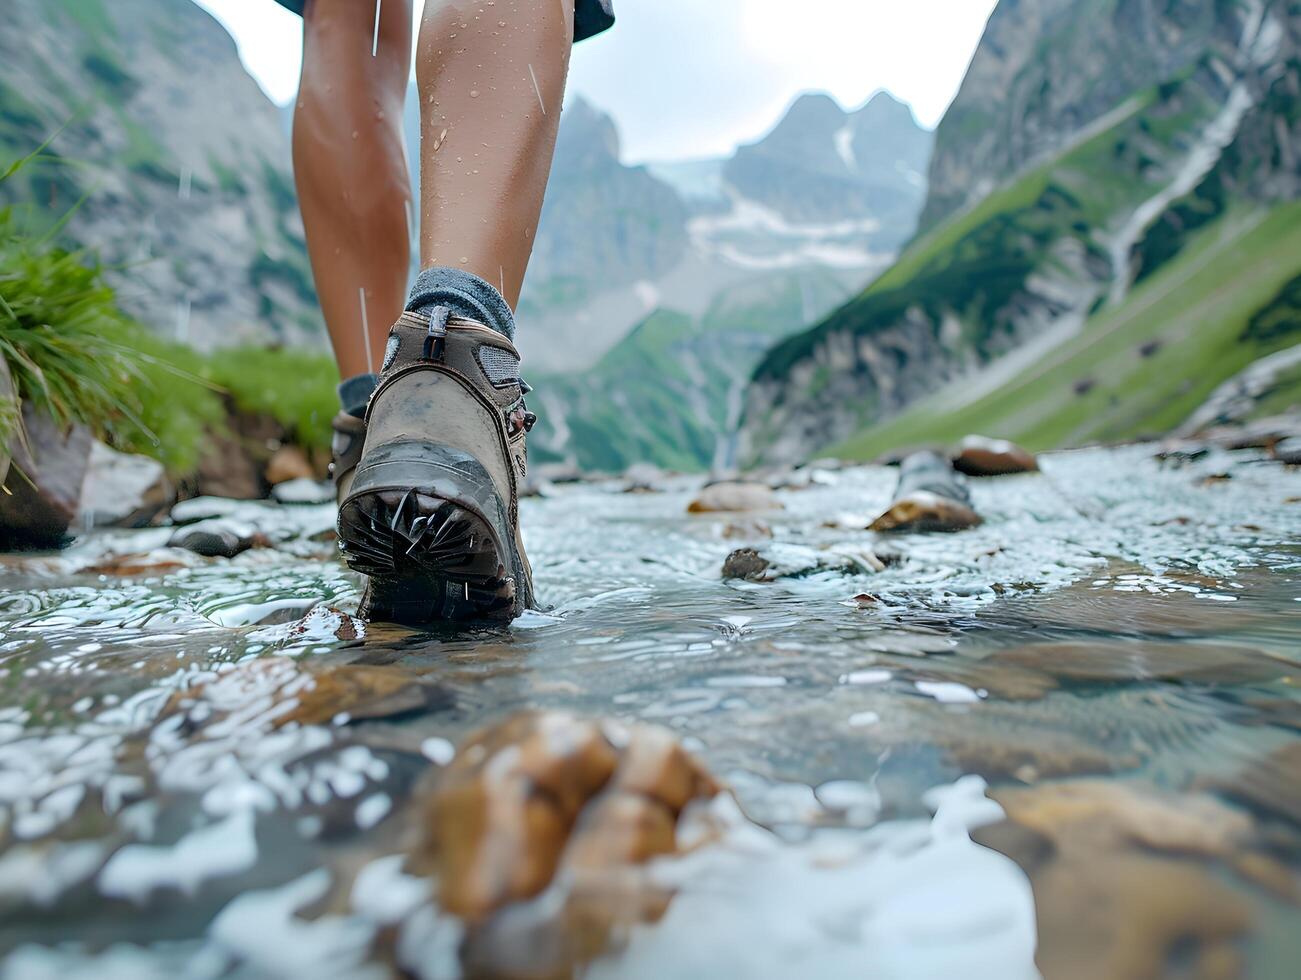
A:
[693,78]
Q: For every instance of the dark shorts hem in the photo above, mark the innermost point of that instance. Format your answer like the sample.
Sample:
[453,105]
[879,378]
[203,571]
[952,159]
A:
[590,16]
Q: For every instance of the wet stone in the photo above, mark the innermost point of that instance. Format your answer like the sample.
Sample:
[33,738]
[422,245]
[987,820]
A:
[981,456]
[734,497]
[930,496]
[42,489]
[791,561]
[547,798]
[1146,660]
[1082,840]
[1288,451]
[215,538]
[123,490]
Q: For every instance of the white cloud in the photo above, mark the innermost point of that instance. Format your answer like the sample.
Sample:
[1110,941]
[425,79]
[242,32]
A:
[689,78]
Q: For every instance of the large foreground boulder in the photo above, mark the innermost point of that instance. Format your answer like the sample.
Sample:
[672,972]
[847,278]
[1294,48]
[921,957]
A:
[42,488]
[536,831]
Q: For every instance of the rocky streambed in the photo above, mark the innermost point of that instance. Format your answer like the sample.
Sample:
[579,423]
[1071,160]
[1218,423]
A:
[1064,740]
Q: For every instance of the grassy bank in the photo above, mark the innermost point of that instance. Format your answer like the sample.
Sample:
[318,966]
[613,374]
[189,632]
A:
[76,356]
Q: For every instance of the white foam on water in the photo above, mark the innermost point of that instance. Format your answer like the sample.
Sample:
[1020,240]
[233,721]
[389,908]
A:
[905,899]
[383,894]
[223,848]
[439,750]
[948,692]
[262,931]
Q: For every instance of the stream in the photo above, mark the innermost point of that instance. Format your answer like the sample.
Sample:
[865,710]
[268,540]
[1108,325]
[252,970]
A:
[1065,742]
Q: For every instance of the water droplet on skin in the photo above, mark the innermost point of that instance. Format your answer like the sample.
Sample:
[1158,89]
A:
[464,259]
[474,93]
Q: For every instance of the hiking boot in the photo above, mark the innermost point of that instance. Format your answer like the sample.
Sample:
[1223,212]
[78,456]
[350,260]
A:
[345,451]
[430,514]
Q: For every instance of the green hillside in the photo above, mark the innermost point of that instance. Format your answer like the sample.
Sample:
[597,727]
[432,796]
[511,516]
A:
[1228,298]
[665,392]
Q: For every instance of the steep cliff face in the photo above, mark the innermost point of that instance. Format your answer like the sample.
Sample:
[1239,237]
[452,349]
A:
[1027,266]
[1046,70]
[181,159]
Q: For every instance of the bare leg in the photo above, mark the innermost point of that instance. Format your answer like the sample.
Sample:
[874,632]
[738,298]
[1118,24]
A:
[353,185]
[492,79]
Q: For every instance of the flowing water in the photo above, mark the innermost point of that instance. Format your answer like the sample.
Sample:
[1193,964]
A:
[1111,662]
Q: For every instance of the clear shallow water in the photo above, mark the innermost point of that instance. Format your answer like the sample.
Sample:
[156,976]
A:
[1117,624]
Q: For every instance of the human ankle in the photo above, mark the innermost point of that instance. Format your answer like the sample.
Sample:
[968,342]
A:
[463,294]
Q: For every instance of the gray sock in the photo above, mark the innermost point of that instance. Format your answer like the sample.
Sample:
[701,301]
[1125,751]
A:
[465,294]
[355,392]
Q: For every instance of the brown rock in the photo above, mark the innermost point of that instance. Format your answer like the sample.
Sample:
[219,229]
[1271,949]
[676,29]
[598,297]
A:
[1109,900]
[309,695]
[361,693]
[1271,784]
[980,456]
[545,789]
[926,511]
[930,496]
[43,485]
[139,564]
[1146,660]
[733,497]
[289,463]
[227,470]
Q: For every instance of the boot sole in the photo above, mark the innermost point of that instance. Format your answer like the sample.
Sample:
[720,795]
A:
[426,527]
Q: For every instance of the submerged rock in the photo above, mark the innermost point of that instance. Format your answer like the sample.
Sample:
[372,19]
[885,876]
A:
[215,538]
[981,456]
[549,804]
[790,561]
[122,489]
[1082,840]
[734,497]
[42,488]
[1149,660]
[289,463]
[751,529]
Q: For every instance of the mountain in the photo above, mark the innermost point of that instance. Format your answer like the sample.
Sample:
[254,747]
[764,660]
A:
[823,164]
[1098,239]
[654,290]
[181,160]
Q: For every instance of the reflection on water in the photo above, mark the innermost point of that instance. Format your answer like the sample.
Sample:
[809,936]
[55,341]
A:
[1098,686]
